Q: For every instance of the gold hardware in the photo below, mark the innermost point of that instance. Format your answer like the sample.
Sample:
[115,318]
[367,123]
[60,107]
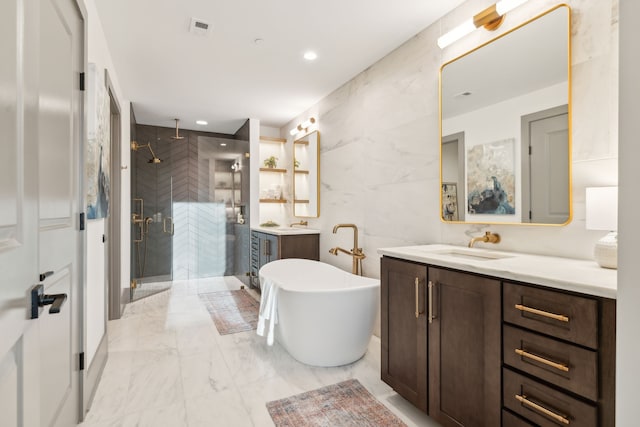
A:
[545,411]
[133,284]
[302,223]
[488,18]
[135,147]
[430,315]
[560,317]
[488,237]
[547,362]
[138,219]
[418,313]
[356,253]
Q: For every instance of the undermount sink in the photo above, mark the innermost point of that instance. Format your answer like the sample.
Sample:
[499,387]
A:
[472,254]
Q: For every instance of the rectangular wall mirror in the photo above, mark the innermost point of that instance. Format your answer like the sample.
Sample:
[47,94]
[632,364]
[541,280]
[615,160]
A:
[306,176]
[505,110]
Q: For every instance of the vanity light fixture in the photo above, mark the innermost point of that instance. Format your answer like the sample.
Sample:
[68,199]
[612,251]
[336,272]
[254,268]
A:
[490,19]
[303,126]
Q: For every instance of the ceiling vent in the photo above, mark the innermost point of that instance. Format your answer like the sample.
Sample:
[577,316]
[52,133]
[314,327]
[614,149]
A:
[199,27]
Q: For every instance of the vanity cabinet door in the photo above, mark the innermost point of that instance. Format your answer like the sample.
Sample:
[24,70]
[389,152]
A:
[306,246]
[464,348]
[404,329]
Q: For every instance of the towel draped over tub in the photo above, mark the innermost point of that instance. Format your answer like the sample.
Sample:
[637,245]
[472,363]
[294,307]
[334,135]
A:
[268,314]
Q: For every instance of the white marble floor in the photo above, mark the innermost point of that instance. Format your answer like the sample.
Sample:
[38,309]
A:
[168,366]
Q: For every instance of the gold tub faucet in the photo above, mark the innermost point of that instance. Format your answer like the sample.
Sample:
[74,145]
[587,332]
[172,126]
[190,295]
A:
[356,253]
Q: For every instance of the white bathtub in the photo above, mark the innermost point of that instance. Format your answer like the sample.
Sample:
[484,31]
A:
[325,315]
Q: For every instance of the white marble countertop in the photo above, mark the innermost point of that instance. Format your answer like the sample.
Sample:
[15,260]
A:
[582,276]
[282,231]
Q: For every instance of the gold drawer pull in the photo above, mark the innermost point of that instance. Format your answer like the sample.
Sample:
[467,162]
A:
[524,401]
[418,312]
[559,317]
[556,365]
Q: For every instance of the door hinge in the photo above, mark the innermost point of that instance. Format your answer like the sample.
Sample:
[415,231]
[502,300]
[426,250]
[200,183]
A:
[104,238]
[81,221]
[82,81]
[530,150]
[530,215]
[81,361]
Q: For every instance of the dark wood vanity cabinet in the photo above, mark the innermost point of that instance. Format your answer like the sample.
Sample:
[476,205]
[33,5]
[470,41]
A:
[472,350]
[559,357]
[404,329]
[441,341]
[266,247]
[464,348]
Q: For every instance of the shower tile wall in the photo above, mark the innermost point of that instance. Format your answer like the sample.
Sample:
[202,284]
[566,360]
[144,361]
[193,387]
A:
[204,241]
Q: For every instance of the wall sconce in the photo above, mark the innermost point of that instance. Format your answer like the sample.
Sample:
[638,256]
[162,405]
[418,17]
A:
[303,126]
[602,214]
[490,19]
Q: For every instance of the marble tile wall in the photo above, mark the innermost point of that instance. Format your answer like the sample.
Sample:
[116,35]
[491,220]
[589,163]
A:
[380,131]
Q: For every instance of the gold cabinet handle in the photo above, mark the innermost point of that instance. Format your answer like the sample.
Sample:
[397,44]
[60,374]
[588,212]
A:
[418,312]
[545,411]
[554,316]
[430,315]
[547,362]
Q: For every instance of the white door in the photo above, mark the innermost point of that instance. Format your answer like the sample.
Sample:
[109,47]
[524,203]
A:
[40,115]
[545,172]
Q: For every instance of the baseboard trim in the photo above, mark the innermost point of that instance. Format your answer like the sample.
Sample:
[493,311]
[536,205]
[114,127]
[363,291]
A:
[94,373]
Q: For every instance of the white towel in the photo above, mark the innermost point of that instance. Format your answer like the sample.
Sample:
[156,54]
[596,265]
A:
[268,314]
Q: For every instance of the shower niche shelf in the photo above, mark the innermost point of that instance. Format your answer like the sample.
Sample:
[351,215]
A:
[305,172]
[273,201]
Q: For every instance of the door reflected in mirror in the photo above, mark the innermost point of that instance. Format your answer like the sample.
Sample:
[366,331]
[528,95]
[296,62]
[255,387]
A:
[506,127]
[306,176]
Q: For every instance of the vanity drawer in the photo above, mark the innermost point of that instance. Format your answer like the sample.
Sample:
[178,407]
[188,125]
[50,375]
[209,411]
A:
[560,315]
[543,405]
[568,366]
[510,420]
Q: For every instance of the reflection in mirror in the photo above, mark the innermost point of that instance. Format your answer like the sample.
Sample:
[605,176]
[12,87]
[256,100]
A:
[306,176]
[505,127]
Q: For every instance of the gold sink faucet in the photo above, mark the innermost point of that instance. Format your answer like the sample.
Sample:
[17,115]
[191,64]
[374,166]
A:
[488,237]
[356,253]
[301,223]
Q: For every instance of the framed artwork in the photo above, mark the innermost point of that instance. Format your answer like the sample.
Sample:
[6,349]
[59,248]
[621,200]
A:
[449,201]
[491,178]
[98,146]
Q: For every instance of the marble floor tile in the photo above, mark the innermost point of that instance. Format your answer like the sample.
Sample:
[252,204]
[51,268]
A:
[169,366]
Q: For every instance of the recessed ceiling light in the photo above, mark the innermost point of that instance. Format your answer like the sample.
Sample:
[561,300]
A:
[201,122]
[310,55]
[223,144]
[258,41]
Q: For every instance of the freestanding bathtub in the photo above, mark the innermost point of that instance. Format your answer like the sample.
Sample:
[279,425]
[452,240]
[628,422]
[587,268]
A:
[325,315]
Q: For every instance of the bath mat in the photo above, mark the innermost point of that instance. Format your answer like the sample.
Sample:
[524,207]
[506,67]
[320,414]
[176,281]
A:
[344,404]
[232,311]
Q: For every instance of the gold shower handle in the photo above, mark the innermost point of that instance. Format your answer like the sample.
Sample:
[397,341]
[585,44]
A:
[137,218]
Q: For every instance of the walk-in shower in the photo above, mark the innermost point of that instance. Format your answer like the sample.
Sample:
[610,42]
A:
[189,207]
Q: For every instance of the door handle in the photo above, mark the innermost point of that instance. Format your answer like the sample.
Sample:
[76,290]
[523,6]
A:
[45,275]
[430,315]
[39,299]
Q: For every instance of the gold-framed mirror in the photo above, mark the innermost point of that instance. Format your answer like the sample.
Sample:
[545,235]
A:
[505,127]
[306,175]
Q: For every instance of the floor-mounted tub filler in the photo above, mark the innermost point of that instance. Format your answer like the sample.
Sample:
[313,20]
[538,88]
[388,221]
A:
[321,315]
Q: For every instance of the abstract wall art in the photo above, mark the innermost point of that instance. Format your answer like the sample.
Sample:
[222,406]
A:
[491,178]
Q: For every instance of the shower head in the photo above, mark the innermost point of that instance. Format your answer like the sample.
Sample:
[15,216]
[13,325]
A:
[154,159]
[177,136]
